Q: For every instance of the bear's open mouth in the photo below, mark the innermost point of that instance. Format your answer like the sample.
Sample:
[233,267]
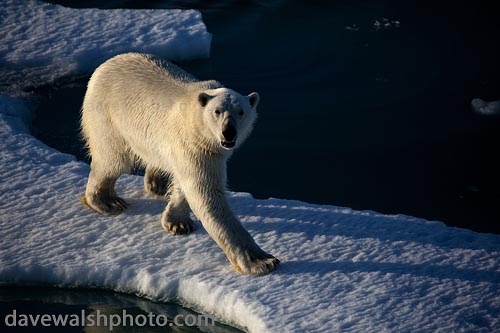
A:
[228,144]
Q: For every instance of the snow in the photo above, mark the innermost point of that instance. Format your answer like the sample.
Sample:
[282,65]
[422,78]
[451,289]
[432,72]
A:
[342,270]
[41,42]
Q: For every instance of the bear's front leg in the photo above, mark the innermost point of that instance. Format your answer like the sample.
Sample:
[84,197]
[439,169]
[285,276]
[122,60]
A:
[176,219]
[250,258]
[210,205]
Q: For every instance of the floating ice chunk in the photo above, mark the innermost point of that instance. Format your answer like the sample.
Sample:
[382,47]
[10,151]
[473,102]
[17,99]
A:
[485,108]
[385,24]
[353,27]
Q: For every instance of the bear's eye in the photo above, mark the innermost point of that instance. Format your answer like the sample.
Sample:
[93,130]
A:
[241,113]
[217,112]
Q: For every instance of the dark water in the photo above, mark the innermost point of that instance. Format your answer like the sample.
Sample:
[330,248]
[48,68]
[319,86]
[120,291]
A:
[350,114]
[71,302]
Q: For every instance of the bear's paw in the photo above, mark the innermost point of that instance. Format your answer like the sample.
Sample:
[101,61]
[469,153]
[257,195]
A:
[108,205]
[178,226]
[255,262]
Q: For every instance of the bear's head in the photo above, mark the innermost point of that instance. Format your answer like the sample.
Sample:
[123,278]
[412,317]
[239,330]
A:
[228,115]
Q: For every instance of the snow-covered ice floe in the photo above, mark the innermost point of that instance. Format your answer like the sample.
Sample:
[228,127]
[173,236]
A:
[342,270]
[485,108]
[41,41]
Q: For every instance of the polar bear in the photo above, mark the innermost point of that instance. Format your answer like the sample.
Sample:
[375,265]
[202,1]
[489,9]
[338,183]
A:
[140,108]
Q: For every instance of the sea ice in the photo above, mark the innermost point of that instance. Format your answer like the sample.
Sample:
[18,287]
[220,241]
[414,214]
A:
[485,108]
[342,270]
[41,42]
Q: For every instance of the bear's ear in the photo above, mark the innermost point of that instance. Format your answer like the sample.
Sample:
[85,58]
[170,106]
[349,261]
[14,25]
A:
[203,98]
[253,98]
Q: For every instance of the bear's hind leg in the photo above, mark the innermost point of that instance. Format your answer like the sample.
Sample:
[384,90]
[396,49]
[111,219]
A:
[176,218]
[100,194]
[156,182]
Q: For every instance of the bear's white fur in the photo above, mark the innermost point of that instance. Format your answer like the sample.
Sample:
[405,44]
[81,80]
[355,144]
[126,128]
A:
[139,107]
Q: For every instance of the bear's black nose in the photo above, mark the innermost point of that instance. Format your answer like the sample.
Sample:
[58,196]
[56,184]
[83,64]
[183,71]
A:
[229,133]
